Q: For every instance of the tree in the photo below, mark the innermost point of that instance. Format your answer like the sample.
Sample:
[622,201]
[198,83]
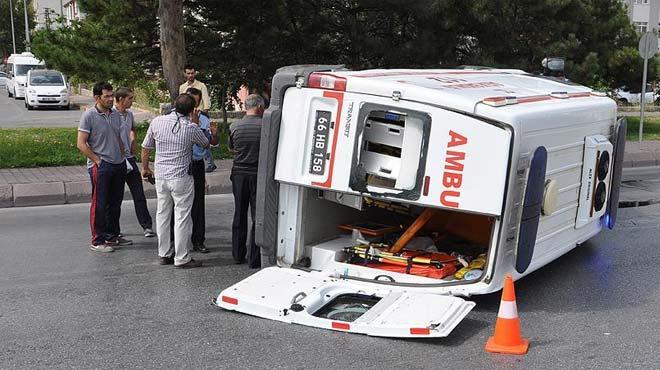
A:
[172,43]
[6,47]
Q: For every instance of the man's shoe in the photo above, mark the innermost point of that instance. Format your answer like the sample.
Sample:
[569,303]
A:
[118,240]
[102,248]
[190,264]
[166,260]
[149,233]
[200,248]
[211,168]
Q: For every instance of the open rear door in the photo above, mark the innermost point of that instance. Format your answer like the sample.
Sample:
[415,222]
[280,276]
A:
[315,299]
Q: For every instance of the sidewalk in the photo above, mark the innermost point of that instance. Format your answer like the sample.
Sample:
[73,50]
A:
[21,187]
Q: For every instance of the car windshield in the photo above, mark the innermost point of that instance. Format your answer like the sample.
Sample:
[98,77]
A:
[22,69]
[46,79]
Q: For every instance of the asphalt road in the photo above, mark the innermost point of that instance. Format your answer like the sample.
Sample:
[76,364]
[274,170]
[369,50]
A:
[13,113]
[63,306]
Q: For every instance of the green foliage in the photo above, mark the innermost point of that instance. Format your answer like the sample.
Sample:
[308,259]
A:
[117,41]
[6,47]
[150,93]
[234,45]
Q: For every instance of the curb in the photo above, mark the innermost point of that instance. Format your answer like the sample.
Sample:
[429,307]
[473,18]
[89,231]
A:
[70,192]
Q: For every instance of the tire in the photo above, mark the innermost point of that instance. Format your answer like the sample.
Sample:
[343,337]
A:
[28,106]
[15,97]
[66,107]
[623,100]
[8,92]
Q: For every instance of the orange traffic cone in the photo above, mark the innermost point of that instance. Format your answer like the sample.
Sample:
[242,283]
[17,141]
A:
[507,337]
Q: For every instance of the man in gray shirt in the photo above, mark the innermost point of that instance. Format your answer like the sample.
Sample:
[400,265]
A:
[99,140]
[244,138]
[123,102]
[173,136]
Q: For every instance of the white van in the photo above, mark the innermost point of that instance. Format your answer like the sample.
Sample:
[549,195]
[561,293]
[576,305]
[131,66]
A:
[46,88]
[17,68]
[489,171]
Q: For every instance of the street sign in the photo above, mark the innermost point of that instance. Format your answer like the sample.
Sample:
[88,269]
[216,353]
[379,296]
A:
[648,45]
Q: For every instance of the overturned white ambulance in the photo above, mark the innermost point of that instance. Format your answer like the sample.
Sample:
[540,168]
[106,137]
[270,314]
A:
[384,196]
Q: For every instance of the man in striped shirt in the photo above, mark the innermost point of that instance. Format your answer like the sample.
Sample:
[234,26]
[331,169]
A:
[244,138]
[173,136]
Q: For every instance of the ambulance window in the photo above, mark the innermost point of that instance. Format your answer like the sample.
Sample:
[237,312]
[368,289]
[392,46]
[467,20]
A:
[390,152]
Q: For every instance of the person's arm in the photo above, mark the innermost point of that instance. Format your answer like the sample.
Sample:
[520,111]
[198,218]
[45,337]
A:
[205,98]
[133,136]
[84,130]
[147,144]
[213,128]
[199,138]
[84,148]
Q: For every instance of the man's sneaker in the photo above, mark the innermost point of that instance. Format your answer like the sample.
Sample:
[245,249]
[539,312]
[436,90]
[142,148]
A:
[190,264]
[166,260]
[102,248]
[200,248]
[118,240]
[211,168]
[149,233]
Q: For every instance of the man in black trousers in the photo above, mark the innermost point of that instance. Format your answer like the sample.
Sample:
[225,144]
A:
[244,137]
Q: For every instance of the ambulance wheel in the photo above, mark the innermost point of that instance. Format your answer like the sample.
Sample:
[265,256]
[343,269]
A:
[28,106]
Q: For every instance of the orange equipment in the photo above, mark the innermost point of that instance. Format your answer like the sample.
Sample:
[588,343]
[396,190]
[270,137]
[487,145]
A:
[507,337]
[421,220]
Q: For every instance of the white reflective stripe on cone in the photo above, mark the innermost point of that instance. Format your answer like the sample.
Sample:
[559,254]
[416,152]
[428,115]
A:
[508,310]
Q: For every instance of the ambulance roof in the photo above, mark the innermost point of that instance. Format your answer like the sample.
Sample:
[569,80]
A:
[460,89]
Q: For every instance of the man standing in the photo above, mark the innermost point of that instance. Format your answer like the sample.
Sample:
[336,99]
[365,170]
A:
[123,102]
[244,137]
[199,176]
[98,139]
[191,81]
[173,136]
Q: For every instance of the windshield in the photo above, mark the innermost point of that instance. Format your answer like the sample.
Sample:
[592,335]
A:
[22,69]
[46,80]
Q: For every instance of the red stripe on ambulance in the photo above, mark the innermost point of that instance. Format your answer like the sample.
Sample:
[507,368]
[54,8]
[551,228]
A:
[452,178]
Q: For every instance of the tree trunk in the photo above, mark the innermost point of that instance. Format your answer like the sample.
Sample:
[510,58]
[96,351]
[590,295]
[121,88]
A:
[172,43]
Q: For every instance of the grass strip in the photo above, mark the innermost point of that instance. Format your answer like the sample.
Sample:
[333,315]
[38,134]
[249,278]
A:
[51,147]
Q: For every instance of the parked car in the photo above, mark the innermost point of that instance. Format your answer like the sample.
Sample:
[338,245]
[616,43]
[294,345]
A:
[626,95]
[46,88]
[3,79]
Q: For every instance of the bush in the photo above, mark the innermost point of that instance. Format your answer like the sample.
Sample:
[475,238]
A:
[151,93]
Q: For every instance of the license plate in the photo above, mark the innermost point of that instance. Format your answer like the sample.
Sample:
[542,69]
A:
[49,99]
[320,142]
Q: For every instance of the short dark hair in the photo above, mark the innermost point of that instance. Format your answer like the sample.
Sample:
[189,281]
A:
[98,88]
[184,104]
[189,66]
[194,92]
[123,92]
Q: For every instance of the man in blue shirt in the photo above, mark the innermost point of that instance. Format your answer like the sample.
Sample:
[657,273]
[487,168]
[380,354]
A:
[199,176]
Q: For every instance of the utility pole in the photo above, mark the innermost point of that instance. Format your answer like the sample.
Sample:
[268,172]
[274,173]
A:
[47,18]
[27,27]
[11,15]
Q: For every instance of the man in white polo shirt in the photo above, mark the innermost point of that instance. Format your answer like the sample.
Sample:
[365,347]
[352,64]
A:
[173,136]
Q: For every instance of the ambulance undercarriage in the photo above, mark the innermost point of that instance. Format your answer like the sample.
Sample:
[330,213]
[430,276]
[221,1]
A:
[382,208]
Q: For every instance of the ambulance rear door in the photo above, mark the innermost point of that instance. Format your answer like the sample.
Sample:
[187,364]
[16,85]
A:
[318,300]
[394,149]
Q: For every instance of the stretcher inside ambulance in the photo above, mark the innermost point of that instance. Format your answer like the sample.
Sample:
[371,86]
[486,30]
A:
[399,191]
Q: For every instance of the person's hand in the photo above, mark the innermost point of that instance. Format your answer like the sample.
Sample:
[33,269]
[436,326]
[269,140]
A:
[214,128]
[195,116]
[97,162]
[146,173]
